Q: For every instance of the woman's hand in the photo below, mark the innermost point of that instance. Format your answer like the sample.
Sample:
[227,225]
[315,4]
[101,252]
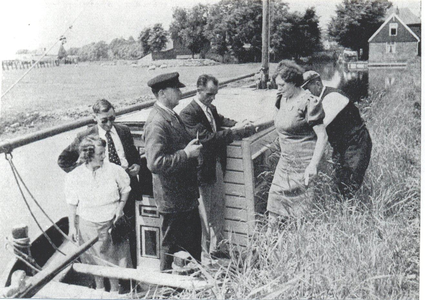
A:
[310,172]
[73,233]
[118,214]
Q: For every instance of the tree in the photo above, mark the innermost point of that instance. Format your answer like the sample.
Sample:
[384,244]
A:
[189,27]
[144,40]
[234,26]
[294,35]
[356,21]
[153,39]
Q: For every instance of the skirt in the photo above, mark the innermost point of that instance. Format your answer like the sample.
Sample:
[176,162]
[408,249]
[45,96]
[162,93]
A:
[104,249]
[288,194]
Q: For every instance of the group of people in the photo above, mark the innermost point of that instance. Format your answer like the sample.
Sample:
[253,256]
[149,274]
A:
[186,154]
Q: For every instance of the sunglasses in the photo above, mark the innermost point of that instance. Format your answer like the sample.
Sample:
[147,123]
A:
[105,120]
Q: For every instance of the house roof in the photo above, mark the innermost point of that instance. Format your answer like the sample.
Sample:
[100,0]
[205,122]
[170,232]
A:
[405,14]
[385,23]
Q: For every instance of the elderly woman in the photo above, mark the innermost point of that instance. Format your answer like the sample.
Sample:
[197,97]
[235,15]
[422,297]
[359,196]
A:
[97,191]
[302,140]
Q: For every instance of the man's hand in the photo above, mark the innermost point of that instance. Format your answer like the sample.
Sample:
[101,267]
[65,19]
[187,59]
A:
[243,129]
[133,170]
[193,148]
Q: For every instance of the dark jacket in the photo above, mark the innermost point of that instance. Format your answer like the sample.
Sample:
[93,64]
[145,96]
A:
[174,174]
[214,143]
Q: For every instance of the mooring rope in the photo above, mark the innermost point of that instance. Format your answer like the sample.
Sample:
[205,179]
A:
[41,208]
[9,158]
[25,258]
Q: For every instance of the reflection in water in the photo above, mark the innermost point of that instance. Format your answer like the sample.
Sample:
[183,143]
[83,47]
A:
[383,78]
[353,83]
[357,84]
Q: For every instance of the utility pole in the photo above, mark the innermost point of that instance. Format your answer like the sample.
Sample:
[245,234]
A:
[264,72]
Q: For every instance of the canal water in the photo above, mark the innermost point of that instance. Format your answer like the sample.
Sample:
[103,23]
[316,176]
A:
[357,84]
[38,161]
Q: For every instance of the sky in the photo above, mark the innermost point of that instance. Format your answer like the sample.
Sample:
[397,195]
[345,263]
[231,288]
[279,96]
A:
[35,24]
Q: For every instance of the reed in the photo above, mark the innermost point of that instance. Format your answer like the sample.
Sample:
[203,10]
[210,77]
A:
[366,247]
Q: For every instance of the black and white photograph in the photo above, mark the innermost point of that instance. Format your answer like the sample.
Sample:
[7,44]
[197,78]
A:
[210,149]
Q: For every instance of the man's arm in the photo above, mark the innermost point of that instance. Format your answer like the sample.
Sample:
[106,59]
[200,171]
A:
[333,104]
[68,158]
[158,159]
[206,137]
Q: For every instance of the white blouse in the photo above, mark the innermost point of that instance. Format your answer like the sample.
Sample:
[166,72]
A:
[96,194]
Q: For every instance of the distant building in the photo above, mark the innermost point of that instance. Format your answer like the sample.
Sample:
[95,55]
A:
[397,40]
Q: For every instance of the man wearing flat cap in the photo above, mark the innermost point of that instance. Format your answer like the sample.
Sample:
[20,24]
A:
[172,158]
[347,134]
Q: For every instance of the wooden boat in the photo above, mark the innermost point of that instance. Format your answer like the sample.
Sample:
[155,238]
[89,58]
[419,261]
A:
[73,280]
[61,277]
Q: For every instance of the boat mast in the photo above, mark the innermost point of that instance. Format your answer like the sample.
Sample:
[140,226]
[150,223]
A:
[265,45]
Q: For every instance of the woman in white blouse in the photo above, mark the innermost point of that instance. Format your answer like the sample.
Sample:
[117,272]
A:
[96,192]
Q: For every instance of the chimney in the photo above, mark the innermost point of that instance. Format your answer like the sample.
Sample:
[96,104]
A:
[397,11]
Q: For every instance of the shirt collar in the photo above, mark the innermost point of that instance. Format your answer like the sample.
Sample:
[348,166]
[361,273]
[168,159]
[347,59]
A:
[102,132]
[202,105]
[321,94]
[165,108]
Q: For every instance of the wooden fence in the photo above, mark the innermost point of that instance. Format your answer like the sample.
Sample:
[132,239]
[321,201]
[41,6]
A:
[17,64]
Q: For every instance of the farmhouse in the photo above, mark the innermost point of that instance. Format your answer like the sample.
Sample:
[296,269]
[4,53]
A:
[397,40]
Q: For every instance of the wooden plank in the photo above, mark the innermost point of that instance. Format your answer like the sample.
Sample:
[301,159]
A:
[55,290]
[234,177]
[263,144]
[234,151]
[235,214]
[236,226]
[249,184]
[236,238]
[158,278]
[43,277]
[234,164]
[233,189]
[235,202]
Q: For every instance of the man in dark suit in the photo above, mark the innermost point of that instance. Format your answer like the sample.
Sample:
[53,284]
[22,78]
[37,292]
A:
[120,150]
[172,158]
[202,120]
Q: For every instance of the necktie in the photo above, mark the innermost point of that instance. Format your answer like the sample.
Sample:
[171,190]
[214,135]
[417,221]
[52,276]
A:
[113,155]
[211,119]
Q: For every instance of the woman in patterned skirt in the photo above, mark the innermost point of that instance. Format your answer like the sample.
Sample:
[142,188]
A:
[302,140]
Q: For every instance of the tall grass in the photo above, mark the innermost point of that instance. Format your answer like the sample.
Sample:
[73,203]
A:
[363,248]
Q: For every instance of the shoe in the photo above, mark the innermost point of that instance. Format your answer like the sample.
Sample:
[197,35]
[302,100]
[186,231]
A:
[220,254]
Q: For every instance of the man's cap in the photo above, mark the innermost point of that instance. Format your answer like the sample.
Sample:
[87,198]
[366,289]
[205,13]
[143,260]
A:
[166,80]
[309,76]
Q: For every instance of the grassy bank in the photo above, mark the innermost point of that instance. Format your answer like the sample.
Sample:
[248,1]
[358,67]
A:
[365,248]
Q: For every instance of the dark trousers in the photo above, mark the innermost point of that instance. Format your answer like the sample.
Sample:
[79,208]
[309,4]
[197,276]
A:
[180,231]
[129,212]
[351,163]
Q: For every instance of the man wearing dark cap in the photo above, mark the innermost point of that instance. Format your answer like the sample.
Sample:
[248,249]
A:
[347,134]
[172,158]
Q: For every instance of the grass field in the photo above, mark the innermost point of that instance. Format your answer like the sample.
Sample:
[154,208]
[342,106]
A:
[365,248]
[50,96]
